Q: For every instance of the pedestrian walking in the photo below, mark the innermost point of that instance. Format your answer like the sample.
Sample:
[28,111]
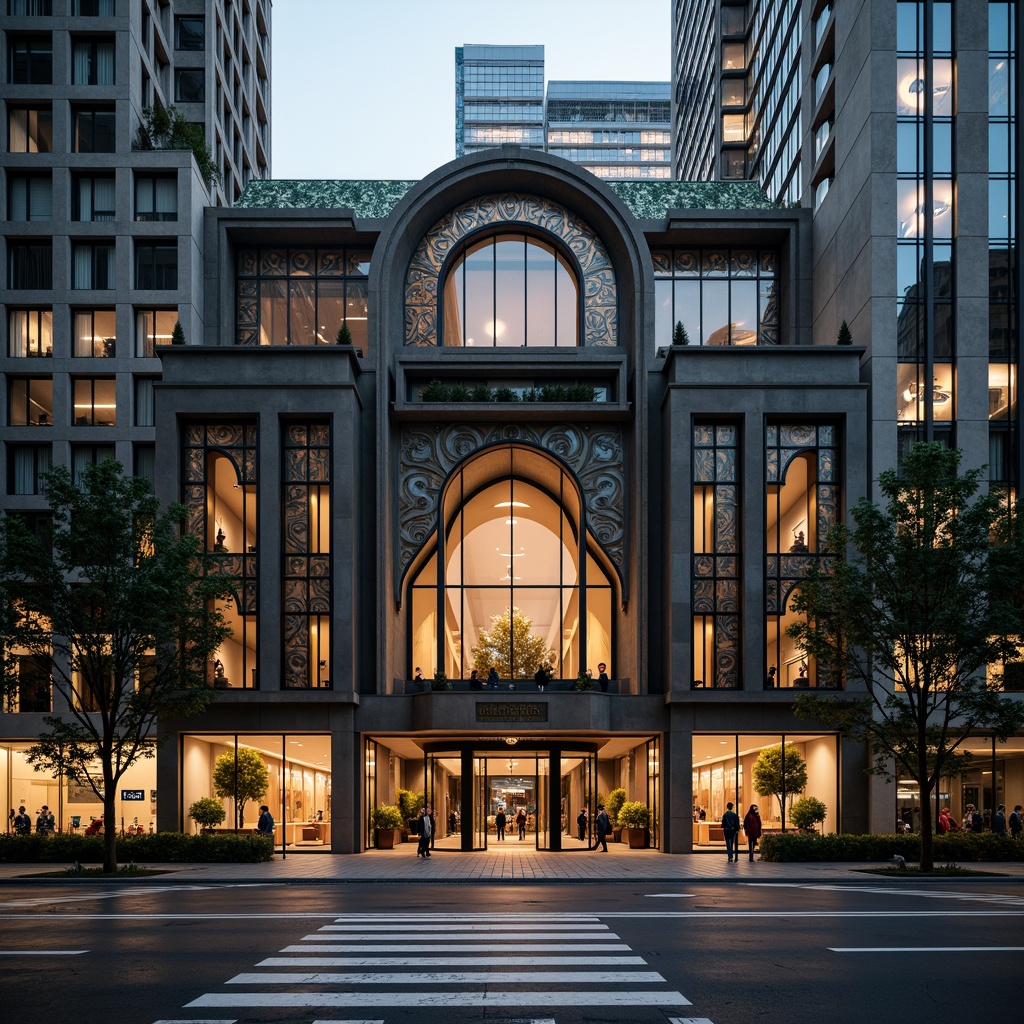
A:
[752,827]
[581,825]
[426,832]
[265,823]
[499,823]
[45,823]
[521,823]
[999,820]
[22,823]
[1016,823]
[603,829]
[731,831]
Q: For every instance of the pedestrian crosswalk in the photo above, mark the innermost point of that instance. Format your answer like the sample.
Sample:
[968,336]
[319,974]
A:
[376,962]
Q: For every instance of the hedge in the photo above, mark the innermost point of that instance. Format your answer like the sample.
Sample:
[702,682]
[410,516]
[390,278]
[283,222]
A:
[159,847]
[953,847]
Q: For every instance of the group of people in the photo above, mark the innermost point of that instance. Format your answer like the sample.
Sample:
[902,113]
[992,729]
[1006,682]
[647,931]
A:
[731,831]
[1001,823]
[542,677]
[21,823]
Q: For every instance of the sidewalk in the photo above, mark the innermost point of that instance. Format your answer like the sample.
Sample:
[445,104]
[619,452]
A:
[512,863]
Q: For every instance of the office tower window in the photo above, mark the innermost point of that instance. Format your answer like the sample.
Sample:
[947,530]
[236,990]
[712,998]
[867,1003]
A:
[189,33]
[153,327]
[92,197]
[32,682]
[95,402]
[30,59]
[219,490]
[29,197]
[85,455]
[94,8]
[301,296]
[144,462]
[156,266]
[29,129]
[306,555]
[189,85]
[156,198]
[94,130]
[510,290]
[145,413]
[30,8]
[30,332]
[92,265]
[95,333]
[30,265]
[25,465]
[30,401]
[802,491]
[721,297]
[717,558]
[92,61]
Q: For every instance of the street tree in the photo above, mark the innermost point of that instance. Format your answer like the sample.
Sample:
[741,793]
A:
[511,647]
[117,600]
[780,773]
[914,603]
[241,775]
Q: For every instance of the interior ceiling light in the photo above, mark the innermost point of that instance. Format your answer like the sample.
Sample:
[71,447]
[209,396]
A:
[939,397]
[511,504]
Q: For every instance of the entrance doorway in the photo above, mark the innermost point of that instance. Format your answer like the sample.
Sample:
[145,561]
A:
[471,789]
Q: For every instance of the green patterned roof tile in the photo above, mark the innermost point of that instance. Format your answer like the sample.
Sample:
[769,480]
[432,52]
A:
[647,200]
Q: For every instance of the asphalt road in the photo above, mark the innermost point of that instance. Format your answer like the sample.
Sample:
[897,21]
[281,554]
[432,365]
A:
[559,954]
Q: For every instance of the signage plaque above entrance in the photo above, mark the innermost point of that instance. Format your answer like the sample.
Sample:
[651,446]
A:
[512,711]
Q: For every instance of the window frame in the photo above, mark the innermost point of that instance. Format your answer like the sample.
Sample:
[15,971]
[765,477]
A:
[78,384]
[146,261]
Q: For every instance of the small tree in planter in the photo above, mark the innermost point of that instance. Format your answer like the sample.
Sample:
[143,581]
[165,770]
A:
[408,806]
[634,818]
[178,334]
[616,798]
[241,775]
[387,821]
[807,812]
[344,335]
[207,813]
[679,334]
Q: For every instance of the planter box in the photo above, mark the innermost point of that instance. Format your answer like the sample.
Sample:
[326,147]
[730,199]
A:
[637,838]
[387,837]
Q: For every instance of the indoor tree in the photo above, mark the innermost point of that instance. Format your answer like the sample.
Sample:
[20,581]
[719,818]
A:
[920,596]
[242,775]
[511,647]
[779,771]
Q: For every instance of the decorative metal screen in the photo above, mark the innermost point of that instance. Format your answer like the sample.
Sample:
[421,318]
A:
[716,556]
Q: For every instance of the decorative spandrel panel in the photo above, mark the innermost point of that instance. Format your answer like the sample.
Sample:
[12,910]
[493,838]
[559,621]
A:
[306,556]
[597,277]
[429,454]
[715,567]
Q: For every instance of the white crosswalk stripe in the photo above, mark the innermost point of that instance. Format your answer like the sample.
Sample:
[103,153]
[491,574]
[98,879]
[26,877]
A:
[433,968]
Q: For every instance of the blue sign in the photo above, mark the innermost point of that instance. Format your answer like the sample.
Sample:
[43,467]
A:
[133,794]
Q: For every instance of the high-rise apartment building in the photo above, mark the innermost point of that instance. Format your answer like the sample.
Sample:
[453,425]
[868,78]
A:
[102,242]
[620,130]
[613,129]
[499,97]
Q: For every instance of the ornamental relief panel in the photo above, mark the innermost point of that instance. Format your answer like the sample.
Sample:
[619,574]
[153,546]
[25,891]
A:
[597,284]
[594,454]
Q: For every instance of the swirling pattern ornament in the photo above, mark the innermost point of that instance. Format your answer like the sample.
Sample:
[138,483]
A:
[429,454]
[600,301]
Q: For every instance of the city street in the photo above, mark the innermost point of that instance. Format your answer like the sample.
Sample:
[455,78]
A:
[165,952]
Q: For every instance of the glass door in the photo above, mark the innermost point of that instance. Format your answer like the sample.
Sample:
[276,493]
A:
[481,794]
[543,803]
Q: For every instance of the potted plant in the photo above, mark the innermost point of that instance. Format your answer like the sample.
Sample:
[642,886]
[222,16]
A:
[807,812]
[387,823]
[440,682]
[408,806]
[207,813]
[583,681]
[616,798]
[634,818]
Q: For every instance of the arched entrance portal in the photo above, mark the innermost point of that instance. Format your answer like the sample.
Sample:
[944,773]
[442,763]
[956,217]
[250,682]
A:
[469,784]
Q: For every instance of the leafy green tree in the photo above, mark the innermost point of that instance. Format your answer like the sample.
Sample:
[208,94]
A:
[778,776]
[117,600]
[807,812]
[207,812]
[167,128]
[511,647]
[241,775]
[918,598]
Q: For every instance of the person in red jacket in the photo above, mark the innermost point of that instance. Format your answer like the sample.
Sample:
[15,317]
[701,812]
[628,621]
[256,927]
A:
[752,826]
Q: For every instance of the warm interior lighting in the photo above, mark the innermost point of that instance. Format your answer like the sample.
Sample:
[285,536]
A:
[511,504]
[939,397]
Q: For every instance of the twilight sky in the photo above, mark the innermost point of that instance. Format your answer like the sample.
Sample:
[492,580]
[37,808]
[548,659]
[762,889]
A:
[366,88]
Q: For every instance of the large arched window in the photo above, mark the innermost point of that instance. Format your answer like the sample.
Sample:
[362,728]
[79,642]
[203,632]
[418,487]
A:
[511,583]
[510,290]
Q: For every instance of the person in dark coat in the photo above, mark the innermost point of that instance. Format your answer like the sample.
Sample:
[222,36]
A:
[731,831]
[752,826]
[426,832]
[999,820]
[499,823]
[604,828]
[581,825]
